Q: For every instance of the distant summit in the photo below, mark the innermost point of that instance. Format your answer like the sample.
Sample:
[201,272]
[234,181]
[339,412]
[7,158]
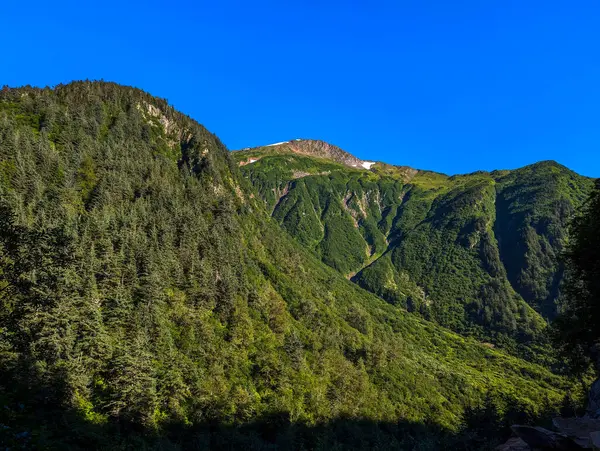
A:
[319,149]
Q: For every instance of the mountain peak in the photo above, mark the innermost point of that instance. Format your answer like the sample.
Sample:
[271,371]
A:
[317,148]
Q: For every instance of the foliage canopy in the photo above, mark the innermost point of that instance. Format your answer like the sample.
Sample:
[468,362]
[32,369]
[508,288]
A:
[576,330]
[144,290]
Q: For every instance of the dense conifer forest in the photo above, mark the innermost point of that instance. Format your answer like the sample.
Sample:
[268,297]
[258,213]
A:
[152,297]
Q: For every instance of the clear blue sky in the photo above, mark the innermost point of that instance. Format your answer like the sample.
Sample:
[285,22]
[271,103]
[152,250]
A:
[452,86]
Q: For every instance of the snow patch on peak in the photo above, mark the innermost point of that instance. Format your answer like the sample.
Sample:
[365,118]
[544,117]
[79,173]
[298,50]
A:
[367,164]
[276,144]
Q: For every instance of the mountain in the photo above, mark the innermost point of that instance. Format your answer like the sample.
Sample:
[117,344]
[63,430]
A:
[149,301]
[476,253]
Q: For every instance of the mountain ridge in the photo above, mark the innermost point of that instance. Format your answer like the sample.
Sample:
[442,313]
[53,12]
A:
[316,148]
[283,147]
[145,288]
[413,209]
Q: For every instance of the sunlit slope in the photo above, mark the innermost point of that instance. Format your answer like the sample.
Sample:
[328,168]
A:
[144,283]
[478,252]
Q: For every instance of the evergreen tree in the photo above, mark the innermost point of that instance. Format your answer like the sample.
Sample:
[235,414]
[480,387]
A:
[577,328]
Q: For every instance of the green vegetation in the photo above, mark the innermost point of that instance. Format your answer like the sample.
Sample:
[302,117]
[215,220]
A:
[477,253]
[148,300]
[576,332]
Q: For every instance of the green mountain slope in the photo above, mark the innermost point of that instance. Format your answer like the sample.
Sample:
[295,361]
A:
[144,289]
[477,253]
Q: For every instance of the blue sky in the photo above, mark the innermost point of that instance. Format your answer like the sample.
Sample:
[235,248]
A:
[452,86]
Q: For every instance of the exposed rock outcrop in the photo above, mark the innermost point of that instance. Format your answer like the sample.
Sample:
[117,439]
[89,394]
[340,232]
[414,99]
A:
[573,434]
[514,444]
[593,407]
[320,149]
[578,429]
[539,438]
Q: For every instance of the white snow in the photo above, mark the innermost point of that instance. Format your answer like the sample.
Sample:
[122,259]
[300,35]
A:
[275,144]
[367,164]
[252,160]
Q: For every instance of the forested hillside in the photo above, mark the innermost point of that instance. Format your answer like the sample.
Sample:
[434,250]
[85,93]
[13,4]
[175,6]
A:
[477,253]
[147,299]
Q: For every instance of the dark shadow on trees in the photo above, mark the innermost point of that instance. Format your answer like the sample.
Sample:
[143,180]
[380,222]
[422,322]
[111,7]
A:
[31,417]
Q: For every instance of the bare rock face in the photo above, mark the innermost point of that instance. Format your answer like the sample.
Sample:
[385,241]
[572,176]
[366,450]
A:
[543,439]
[325,150]
[577,429]
[593,407]
[322,149]
[319,149]
[573,434]
[595,440]
[514,444]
